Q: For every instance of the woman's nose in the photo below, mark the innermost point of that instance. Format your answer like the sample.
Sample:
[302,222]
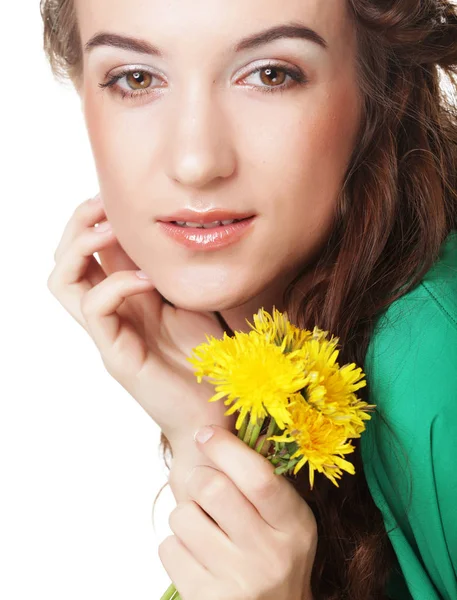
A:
[200,144]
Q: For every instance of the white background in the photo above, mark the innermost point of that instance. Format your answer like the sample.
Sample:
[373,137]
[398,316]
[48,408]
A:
[79,461]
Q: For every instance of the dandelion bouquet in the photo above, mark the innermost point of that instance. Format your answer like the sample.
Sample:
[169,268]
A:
[296,404]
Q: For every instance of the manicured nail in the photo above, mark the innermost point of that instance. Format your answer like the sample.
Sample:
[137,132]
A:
[105,226]
[142,275]
[204,434]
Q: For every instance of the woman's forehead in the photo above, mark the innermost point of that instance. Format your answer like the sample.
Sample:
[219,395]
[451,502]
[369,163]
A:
[223,20]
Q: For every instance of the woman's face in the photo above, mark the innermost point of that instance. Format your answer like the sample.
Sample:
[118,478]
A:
[209,132]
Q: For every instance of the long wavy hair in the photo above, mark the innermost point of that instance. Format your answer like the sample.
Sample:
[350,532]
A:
[396,207]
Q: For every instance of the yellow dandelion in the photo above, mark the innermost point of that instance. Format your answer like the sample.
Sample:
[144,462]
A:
[274,326]
[291,377]
[331,388]
[278,329]
[256,376]
[321,444]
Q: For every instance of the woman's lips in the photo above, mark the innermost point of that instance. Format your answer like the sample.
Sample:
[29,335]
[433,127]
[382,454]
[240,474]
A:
[209,216]
[198,238]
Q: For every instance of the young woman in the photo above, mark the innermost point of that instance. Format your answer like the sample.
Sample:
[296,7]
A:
[323,127]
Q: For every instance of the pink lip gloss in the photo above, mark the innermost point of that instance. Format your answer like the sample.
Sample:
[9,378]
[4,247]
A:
[199,238]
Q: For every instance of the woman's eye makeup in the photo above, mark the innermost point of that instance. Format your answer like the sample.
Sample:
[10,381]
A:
[273,79]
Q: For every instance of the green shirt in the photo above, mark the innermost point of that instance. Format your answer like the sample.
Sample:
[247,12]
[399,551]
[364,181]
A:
[410,464]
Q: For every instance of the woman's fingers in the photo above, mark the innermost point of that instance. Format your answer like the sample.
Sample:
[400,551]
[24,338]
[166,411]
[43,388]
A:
[122,348]
[219,497]
[96,308]
[274,498]
[77,267]
[188,575]
[102,303]
[198,532]
[69,279]
[141,309]
[86,215]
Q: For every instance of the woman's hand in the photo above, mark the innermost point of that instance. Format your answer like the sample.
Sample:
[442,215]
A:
[246,533]
[142,340]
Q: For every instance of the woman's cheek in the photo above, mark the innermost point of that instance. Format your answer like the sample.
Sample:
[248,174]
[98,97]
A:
[99,132]
[115,147]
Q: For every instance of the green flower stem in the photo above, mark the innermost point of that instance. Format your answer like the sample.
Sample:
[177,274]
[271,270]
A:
[248,433]
[171,594]
[244,426]
[270,431]
[253,432]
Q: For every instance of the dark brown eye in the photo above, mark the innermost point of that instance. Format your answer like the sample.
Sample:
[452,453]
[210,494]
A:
[138,80]
[272,75]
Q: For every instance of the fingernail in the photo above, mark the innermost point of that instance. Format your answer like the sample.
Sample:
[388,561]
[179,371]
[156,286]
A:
[105,226]
[142,275]
[204,434]
[96,199]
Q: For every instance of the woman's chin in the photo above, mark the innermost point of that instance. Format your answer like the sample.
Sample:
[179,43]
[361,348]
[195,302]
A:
[199,299]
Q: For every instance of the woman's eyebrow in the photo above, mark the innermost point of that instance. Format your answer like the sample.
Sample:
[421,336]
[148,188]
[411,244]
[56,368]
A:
[288,30]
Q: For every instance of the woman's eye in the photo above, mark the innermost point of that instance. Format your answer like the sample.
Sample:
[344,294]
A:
[276,75]
[271,77]
[138,82]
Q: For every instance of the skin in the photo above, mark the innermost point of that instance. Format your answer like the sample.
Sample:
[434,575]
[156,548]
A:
[207,136]
[263,541]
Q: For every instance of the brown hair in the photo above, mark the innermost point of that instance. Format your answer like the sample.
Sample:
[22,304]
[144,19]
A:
[396,207]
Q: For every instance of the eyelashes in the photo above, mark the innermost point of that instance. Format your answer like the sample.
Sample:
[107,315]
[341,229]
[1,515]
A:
[273,70]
